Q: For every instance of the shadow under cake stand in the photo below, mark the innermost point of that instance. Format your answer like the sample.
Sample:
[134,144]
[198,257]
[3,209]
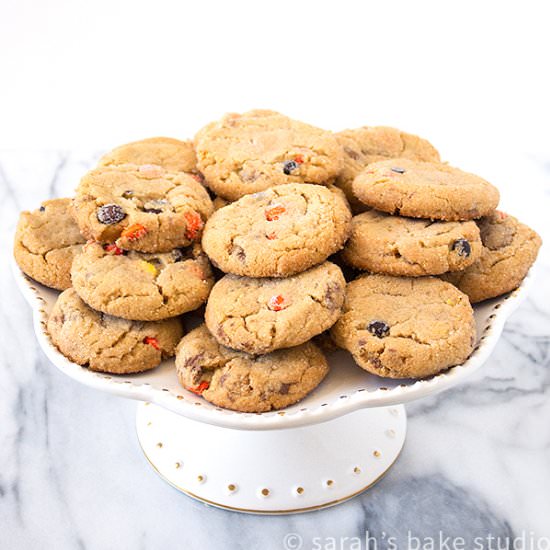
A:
[331,446]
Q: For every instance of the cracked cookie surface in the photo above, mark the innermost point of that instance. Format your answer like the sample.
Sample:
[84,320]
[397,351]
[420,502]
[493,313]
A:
[399,327]
[509,249]
[247,383]
[262,315]
[278,232]
[395,245]
[368,144]
[140,286]
[144,208]
[46,241]
[172,154]
[109,344]
[425,190]
[242,154]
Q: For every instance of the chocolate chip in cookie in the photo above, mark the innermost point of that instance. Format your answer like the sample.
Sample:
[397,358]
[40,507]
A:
[378,328]
[462,248]
[109,214]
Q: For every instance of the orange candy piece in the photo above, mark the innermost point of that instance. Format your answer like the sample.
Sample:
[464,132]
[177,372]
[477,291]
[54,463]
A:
[276,303]
[194,225]
[114,249]
[204,385]
[273,213]
[134,232]
[152,341]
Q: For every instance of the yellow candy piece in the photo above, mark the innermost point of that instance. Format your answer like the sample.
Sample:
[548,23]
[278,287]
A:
[149,267]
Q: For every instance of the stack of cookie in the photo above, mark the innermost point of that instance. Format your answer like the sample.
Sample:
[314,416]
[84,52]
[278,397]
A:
[126,253]
[254,352]
[268,201]
[279,292]
[417,218]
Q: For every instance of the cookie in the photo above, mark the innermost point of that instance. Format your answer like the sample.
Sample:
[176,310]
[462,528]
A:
[425,190]
[172,154]
[46,241]
[373,143]
[262,315]
[411,247]
[218,203]
[139,286]
[109,344]
[247,383]
[247,153]
[325,342]
[400,327]
[509,249]
[142,208]
[278,232]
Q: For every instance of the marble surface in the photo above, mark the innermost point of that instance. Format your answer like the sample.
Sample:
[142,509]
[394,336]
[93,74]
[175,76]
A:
[476,463]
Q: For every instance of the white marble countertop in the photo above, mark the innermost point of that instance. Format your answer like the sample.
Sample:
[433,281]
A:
[476,462]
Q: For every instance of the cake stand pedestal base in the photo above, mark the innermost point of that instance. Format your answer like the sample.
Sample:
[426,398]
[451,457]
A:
[272,471]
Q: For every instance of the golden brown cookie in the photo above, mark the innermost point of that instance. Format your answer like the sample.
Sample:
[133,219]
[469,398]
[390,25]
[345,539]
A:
[46,241]
[400,327]
[262,315]
[371,144]
[509,249]
[139,286]
[247,153]
[395,245]
[109,344]
[172,154]
[425,190]
[278,232]
[248,383]
[218,203]
[142,208]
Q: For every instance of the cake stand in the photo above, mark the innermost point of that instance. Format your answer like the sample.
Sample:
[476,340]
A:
[319,452]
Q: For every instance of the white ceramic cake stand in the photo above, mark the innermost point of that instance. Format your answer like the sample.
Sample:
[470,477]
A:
[324,450]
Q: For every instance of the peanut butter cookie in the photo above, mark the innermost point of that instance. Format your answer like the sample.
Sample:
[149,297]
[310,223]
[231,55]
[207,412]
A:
[278,232]
[139,286]
[46,241]
[247,153]
[109,344]
[247,383]
[400,327]
[262,315]
[142,208]
[509,249]
[368,144]
[425,190]
[381,243]
[172,154]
